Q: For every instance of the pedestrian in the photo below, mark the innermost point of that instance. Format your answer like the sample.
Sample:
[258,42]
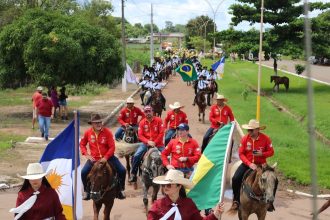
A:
[175,205]
[151,134]
[220,115]
[45,110]
[255,147]
[54,98]
[63,103]
[183,150]
[173,118]
[101,148]
[37,199]
[35,99]
[128,116]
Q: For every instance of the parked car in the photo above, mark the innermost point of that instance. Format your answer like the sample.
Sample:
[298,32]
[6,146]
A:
[313,60]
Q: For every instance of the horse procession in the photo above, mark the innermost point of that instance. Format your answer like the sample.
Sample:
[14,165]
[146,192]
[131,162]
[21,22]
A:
[162,153]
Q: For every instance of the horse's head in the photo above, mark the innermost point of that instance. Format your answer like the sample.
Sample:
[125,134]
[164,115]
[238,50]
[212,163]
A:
[130,135]
[201,97]
[267,181]
[154,165]
[100,178]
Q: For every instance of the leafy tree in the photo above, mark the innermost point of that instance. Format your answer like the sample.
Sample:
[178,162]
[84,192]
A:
[196,27]
[154,28]
[51,48]
[169,28]
[180,28]
[320,34]
[197,42]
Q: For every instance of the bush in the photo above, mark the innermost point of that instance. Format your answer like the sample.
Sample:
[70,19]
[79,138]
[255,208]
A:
[91,88]
[299,68]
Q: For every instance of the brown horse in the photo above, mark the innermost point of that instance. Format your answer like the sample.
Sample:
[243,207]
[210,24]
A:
[211,89]
[130,137]
[201,103]
[156,103]
[103,188]
[280,80]
[257,192]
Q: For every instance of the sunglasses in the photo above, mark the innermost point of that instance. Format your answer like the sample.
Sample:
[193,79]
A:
[250,130]
[147,111]
[167,185]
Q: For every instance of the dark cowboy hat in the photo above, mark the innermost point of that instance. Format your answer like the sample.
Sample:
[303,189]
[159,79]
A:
[95,118]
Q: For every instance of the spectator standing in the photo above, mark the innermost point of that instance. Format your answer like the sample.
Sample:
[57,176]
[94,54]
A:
[35,99]
[45,110]
[63,104]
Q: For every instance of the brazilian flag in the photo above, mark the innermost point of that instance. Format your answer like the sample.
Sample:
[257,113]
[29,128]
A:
[187,71]
[209,175]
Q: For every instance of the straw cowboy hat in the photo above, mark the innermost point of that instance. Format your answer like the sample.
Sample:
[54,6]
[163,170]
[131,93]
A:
[174,177]
[39,88]
[95,118]
[34,171]
[130,100]
[253,124]
[221,97]
[176,105]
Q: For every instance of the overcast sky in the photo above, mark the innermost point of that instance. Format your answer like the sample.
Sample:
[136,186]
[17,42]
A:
[178,11]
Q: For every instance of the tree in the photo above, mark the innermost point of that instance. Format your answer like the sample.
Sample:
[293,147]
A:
[169,28]
[50,48]
[154,28]
[196,27]
[320,35]
[197,43]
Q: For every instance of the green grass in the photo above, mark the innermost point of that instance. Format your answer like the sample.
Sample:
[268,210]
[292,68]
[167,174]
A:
[21,96]
[140,52]
[6,140]
[290,138]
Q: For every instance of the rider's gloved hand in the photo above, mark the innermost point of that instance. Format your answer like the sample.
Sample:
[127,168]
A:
[151,143]
[103,160]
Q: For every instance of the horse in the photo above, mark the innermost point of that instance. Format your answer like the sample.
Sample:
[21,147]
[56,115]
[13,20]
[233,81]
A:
[130,137]
[257,191]
[280,80]
[146,96]
[211,89]
[156,103]
[201,103]
[103,188]
[324,207]
[152,167]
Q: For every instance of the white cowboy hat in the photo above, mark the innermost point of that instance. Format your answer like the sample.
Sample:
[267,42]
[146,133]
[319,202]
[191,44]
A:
[130,100]
[221,97]
[34,171]
[176,105]
[174,177]
[39,88]
[253,124]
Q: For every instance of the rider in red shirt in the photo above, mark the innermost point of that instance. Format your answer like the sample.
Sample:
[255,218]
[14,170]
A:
[255,147]
[151,133]
[220,114]
[128,116]
[173,118]
[184,151]
[101,147]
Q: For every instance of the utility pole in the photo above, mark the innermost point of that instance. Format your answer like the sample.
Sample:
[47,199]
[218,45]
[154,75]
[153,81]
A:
[260,52]
[152,38]
[123,81]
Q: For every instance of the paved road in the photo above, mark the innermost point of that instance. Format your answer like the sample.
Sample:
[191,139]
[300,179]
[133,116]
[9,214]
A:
[320,73]
[287,206]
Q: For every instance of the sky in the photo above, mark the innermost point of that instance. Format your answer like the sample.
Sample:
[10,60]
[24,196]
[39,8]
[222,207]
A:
[180,11]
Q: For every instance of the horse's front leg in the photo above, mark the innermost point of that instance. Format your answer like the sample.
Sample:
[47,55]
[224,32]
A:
[96,208]
[145,197]
[204,117]
[199,116]
[128,166]
[155,192]
[107,208]
[261,215]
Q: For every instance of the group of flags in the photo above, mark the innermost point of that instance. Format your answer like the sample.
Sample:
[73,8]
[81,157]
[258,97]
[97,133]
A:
[189,73]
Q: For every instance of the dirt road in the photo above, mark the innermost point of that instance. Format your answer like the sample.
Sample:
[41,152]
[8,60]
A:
[288,207]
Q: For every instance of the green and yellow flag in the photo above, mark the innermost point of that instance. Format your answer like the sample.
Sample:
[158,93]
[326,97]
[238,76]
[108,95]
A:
[209,176]
[187,71]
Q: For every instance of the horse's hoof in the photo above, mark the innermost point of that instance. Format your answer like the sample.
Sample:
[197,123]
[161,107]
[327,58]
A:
[199,119]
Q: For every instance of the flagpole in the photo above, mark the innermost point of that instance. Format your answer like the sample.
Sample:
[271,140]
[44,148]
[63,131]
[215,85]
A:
[260,51]
[76,152]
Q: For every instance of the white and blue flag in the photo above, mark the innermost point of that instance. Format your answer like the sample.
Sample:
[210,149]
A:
[218,67]
[59,157]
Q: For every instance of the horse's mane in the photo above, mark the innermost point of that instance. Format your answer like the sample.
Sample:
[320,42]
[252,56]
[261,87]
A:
[96,167]
[147,161]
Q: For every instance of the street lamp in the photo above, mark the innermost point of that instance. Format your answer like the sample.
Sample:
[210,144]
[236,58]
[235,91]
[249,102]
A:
[214,13]
[205,25]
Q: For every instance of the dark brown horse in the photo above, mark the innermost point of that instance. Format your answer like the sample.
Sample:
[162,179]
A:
[280,80]
[201,103]
[130,137]
[211,89]
[103,188]
[156,103]
[257,192]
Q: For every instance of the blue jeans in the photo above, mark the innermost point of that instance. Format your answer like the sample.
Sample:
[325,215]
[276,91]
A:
[186,170]
[206,138]
[136,160]
[119,135]
[120,169]
[44,124]
[168,135]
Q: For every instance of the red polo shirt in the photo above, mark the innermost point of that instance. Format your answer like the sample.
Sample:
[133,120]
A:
[175,119]
[35,98]
[189,149]
[100,145]
[130,116]
[44,107]
[220,114]
[247,145]
[151,131]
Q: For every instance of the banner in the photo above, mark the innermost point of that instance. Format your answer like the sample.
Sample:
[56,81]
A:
[187,71]
[218,67]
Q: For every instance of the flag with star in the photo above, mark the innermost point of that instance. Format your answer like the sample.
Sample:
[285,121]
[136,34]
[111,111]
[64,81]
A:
[187,71]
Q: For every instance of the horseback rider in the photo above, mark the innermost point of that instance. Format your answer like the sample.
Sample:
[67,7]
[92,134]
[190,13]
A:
[255,147]
[128,116]
[102,148]
[219,115]
[172,120]
[200,85]
[146,84]
[184,151]
[158,93]
[150,133]
[211,77]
